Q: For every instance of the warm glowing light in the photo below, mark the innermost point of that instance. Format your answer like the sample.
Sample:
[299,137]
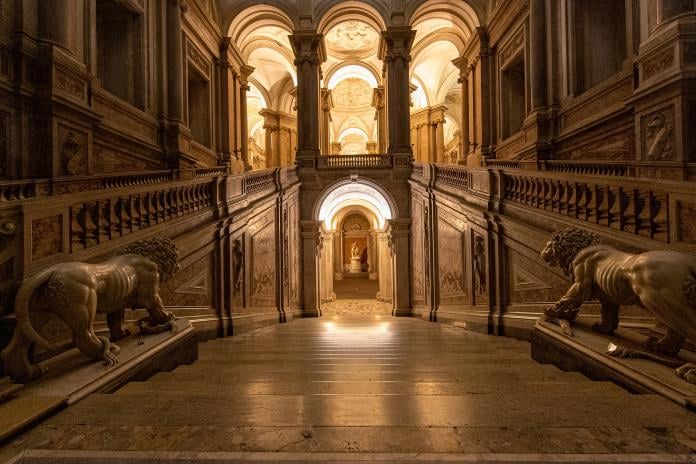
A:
[352,70]
[351,194]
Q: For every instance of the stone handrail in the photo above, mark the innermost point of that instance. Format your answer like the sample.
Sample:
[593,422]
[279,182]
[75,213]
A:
[590,168]
[23,189]
[648,208]
[354,161]
[257,181]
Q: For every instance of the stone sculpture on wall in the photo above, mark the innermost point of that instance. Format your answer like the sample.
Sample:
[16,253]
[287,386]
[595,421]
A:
[479,266]
[75,292]
[237,266]
[658,138]
[663,282]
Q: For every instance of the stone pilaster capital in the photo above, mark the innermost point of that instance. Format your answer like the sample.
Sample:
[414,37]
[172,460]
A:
[396,44]
[308,47]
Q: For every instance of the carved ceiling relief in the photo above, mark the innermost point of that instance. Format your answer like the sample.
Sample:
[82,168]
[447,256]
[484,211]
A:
[658,135]
[355,222]
[352,37]
[352,93]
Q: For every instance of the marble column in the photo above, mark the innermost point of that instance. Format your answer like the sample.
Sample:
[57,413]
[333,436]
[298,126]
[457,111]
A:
[227,107]
[463,66]
[399,242]
[56,23]
[175,60]
[308,47]
[338,256]
[243,115]
[311,248]
[486,115]
[395,50]
[271,126]
[440,140]
[537,22]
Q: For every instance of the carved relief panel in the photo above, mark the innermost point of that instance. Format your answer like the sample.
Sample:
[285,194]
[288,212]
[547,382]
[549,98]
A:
[238,271]
[658,135]
[418,252]
[480,268]
[192,286]
[73,149]
[263,264]
[451,259]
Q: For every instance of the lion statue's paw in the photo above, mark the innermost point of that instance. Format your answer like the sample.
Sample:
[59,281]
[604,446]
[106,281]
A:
[687,372]
[603,328]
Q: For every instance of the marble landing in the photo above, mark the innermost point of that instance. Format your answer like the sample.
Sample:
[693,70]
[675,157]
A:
[352,389]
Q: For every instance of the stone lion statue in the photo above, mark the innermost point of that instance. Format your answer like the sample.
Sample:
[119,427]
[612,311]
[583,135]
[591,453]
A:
[75,292]
[663,282]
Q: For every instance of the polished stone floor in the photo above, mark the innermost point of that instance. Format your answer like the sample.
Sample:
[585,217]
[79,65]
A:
[357,389]
[356,287]
[353,308]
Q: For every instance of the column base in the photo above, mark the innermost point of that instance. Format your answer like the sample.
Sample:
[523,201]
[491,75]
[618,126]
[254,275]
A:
[401,312]
[311,313]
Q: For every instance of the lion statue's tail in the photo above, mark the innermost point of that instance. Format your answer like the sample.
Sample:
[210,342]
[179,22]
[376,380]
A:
[22,299]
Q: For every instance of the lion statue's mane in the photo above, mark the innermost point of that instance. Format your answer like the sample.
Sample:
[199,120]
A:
[565,245]
[160,251]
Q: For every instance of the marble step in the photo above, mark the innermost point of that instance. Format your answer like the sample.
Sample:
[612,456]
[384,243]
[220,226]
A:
[467,387]
[472,368]
[592,445]
[510,410]
[494,374]
[308,359]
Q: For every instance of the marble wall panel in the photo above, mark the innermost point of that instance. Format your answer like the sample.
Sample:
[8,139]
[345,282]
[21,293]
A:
[531,281]
[46,237]
[192,285]
[263,265]
[451,259]
[417,242]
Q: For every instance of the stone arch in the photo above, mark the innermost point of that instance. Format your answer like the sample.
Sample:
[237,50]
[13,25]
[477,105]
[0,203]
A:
[248,14]
[344,191]
[331,12]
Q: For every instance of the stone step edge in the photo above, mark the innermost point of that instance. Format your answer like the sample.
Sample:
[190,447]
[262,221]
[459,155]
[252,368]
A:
[163,457]
[38,400]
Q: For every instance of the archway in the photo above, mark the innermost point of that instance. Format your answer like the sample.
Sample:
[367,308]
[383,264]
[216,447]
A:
[354,259]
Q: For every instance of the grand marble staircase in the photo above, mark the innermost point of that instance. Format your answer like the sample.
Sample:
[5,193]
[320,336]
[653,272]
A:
[365,389]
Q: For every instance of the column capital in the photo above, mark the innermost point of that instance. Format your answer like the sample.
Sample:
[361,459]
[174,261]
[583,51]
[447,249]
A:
[308,46]
[396,43]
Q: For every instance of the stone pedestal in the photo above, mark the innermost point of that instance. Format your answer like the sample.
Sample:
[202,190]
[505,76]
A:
[355,266]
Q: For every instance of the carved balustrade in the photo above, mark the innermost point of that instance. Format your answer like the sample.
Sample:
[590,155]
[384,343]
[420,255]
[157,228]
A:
[106,216]
[354,161]
[603,197]
[258,181]
[23,189]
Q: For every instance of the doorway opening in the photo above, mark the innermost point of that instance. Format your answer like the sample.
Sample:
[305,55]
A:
[355,262]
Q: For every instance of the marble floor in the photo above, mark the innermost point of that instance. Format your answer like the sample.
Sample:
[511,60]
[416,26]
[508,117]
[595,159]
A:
[356,389]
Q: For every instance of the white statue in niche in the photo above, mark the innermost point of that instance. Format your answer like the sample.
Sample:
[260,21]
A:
[355,251]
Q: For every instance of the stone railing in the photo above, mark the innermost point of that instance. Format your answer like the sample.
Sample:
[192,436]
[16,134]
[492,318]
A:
[354,161]
[258,181]
[454,176]
[106,216]
[654,209]
[590,168]
[23,189]
[638,207]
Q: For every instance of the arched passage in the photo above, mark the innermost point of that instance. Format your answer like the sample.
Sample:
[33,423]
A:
[354,259]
